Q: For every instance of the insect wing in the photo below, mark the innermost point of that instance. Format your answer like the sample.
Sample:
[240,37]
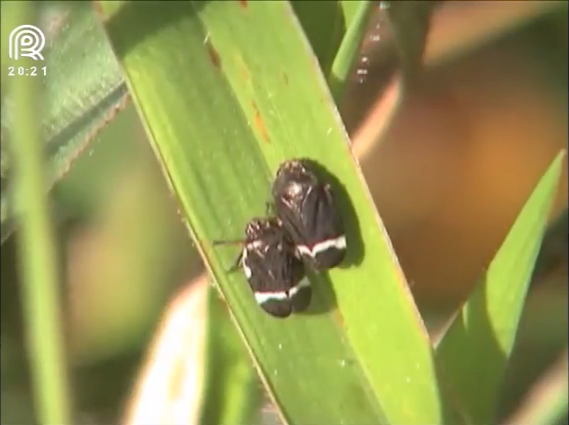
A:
[301,295]
[270,292]
[315,227]
[325,240]
[309,214]
[274,271]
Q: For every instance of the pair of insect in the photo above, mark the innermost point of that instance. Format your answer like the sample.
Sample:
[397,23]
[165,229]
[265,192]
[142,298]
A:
[306,231]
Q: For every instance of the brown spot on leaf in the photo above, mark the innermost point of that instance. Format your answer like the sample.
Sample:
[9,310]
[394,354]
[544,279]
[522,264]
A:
[243,4]
[259,123]
[245,72]
[98,9]
[213,55]
[338,318]
[285,78]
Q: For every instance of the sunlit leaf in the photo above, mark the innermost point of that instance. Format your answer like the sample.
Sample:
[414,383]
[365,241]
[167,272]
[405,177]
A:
[221,120]
[475,351]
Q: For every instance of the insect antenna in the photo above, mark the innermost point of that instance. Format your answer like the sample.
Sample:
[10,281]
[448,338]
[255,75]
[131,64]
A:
[239,260]
[229,242]
[238,263]
[270,208]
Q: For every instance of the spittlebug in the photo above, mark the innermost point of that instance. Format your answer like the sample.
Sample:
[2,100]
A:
[276,276]
[309,214]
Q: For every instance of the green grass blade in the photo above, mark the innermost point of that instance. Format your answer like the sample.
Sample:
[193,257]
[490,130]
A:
[327,23]
[227,91]
[350,9]
[324,26]
[335,39]
[233,392]
[82,92]
[344,60]
[475,350]
[37,251]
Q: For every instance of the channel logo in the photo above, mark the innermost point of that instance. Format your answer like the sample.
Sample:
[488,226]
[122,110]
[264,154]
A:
[26,41]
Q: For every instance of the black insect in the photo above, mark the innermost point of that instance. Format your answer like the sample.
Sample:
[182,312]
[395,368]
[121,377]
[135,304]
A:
[274,273]
[308,211]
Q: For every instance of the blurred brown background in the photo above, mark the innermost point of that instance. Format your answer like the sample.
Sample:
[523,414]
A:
[467,147]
